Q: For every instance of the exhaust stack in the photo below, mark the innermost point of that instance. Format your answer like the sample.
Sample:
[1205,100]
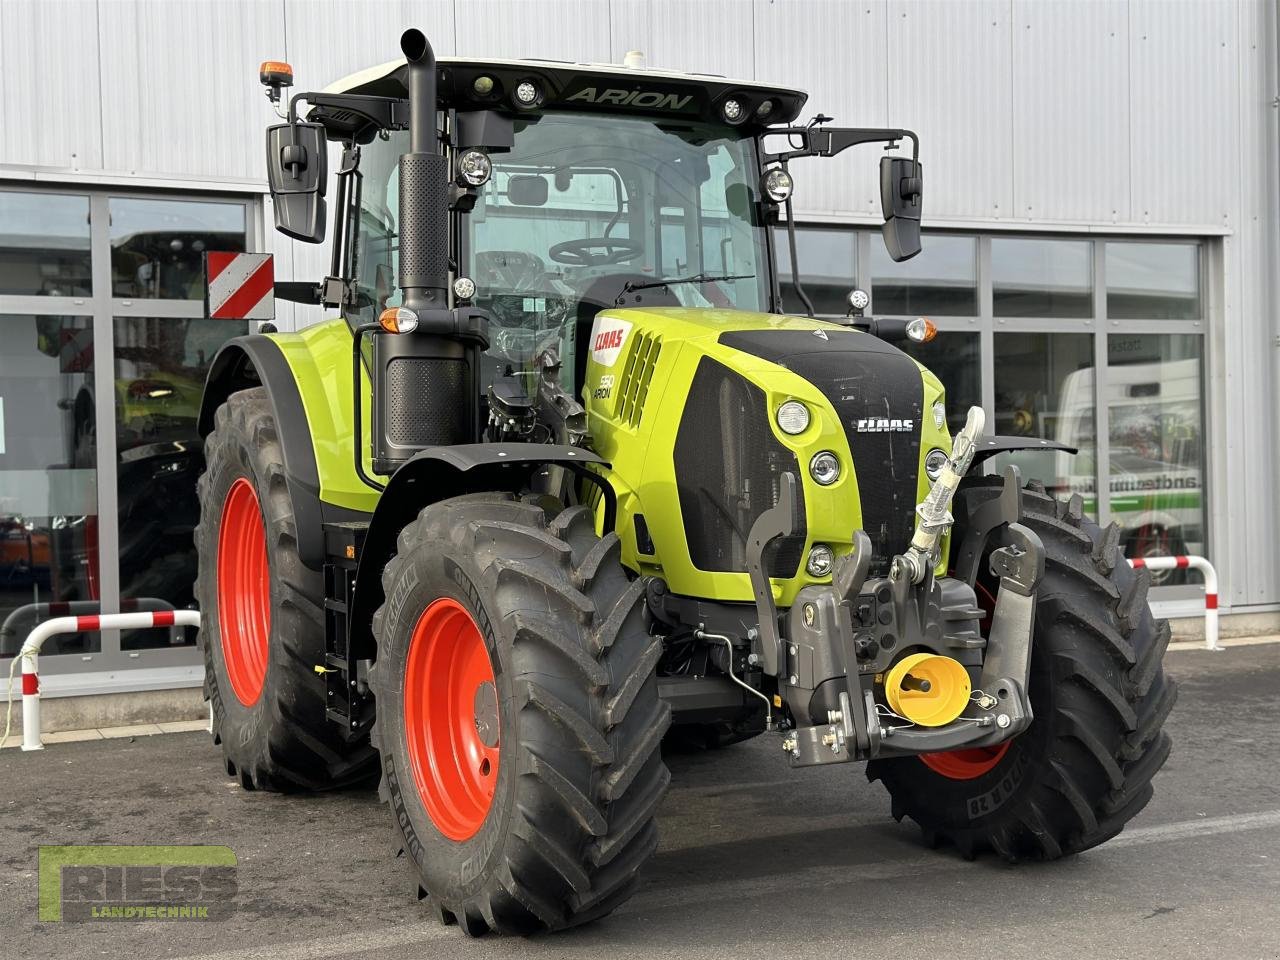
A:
[424,186]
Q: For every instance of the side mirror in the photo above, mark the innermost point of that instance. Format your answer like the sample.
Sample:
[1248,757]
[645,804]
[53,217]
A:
[901,199]
[297,174]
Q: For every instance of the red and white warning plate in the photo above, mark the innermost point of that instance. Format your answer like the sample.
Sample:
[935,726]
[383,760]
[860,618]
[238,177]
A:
[240,286]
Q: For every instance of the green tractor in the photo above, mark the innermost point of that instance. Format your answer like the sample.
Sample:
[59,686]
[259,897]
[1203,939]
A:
[564,476]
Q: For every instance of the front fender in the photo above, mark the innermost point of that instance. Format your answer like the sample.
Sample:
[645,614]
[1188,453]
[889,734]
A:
[439,473]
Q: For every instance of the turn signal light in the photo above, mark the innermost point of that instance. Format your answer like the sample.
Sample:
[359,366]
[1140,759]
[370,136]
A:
[398,320]
[922,329]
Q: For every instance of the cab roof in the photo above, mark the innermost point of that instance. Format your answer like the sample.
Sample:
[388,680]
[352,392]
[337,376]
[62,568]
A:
[589,87]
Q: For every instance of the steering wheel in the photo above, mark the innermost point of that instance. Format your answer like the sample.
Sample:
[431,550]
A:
[579,253]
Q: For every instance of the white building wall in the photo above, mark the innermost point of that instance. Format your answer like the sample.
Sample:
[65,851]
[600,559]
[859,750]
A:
[1102,115]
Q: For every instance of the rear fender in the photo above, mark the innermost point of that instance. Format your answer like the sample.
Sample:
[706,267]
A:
[439,473]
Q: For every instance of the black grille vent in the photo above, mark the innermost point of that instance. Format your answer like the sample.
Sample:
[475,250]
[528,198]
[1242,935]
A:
[422,401]
[728,464]
[864,378]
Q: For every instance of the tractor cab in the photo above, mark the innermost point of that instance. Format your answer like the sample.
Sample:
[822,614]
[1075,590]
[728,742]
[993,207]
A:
[575,188]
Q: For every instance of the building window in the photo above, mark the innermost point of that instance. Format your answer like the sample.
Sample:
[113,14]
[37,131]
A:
[158,246]
[160,369]
[941,280]
[954,358]
[48,478]
[1155,409]
[81,528]
[1045,388]
[1041,278]
[827,269]
[44,245]
[1153,281]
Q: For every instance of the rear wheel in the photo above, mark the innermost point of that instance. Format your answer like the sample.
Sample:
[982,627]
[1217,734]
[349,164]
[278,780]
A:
[1083,768]
[262,629]
[518,715]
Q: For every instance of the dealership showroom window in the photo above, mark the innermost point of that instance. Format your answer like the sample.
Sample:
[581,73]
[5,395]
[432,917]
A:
[105,351]
[1097,343]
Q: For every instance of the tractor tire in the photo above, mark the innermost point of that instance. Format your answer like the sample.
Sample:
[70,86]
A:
[518,719]
[262,623]
[1083,769]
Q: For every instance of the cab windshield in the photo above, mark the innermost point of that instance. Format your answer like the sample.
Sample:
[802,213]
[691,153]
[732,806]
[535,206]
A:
[582,211]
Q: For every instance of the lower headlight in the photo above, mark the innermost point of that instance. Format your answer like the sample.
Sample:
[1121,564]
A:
[820,560]
[934,461]
[825,468]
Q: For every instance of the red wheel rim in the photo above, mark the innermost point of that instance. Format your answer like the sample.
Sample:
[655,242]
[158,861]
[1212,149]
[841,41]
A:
[970,764]
[451,719]
[244,592]
[965,764]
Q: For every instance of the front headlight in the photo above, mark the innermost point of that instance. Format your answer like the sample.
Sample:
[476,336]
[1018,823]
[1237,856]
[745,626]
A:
[934,462]
[777,185]
[820,560]
[474,168]
[825,468]
[793,417]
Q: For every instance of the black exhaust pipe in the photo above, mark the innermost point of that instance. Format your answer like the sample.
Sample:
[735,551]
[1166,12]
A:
[425,391]
[424,186]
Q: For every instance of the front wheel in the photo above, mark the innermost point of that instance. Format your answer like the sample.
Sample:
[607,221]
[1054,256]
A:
[1083,769]
[518,715]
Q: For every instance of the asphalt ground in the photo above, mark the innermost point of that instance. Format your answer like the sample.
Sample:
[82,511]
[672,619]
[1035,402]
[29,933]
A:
[755,861]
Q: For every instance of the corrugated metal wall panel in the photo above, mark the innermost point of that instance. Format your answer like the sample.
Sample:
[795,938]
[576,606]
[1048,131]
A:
[1071,110]
[49,91]
[949,79]
[1253,562]
[1185,82]
[548,29]
[680,32]
[836,52]
[183,97]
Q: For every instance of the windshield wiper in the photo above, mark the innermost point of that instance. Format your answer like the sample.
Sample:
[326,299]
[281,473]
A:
[631,285]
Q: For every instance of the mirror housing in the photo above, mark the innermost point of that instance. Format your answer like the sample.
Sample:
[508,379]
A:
[297,174]
[901,200]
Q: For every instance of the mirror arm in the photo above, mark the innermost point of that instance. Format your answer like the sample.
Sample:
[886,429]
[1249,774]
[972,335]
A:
[385,113]
[829,141]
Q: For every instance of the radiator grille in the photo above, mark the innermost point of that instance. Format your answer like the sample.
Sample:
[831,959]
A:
[728,464]
[634,387]
[863,377]
[422,401]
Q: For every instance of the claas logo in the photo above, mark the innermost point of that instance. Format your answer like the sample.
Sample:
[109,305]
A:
[609,339]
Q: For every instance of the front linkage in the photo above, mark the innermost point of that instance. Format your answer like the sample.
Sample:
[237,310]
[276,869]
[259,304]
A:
[837,643]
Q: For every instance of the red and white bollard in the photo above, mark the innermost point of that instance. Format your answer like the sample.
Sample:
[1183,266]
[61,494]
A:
[1210,588]
[30,652]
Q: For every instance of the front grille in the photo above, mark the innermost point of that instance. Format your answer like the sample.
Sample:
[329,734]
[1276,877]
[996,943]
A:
[863,378]
[422,401]
[728,464]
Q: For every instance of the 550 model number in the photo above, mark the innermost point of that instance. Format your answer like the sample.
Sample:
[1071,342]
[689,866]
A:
[604,388]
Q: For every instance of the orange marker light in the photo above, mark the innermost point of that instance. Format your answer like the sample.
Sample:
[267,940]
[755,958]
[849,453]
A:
[275,73]
[398,320]
[922,329]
